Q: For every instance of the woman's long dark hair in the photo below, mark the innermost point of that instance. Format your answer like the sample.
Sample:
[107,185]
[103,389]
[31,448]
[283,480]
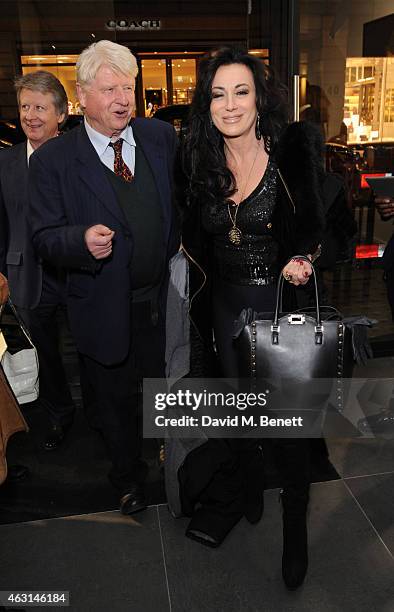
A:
[203,157]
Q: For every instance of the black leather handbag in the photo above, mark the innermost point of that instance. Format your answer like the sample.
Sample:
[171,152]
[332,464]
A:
[313,343]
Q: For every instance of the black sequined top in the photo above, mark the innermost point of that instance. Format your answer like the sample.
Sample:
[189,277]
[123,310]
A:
[254,260]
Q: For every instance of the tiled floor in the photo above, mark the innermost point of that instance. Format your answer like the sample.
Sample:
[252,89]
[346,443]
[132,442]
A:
[119,564]
[145,564]
[245,573]
[109,562]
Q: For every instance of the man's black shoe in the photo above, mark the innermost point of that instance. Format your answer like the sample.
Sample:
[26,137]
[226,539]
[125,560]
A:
[17,473]
[55,437]
[133,500]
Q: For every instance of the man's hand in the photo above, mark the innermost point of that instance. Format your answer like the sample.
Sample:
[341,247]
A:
[385,207]
[98,239]
[4,290]
[297,271]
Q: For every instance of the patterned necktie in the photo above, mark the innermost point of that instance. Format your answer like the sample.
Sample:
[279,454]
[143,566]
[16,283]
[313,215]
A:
[120,168]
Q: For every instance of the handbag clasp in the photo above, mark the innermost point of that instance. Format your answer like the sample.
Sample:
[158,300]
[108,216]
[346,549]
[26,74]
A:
[275,333]
[319,334]
[296,319]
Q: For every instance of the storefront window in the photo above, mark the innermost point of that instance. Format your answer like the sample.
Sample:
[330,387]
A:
[165,79]
[346,51]
[263,54]
[183,79]
[389,106]
[366,119]
[63,67]
[154,81]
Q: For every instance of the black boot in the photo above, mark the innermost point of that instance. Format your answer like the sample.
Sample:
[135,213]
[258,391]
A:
[251,461]
[252,465]
[295,537]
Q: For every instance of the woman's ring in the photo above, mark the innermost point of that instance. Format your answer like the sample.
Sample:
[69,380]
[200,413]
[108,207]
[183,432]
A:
[287,276]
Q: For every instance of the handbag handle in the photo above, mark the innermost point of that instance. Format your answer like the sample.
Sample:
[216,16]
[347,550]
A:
[275,328]
[18,320]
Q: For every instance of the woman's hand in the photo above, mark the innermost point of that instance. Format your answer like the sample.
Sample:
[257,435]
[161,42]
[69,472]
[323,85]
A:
[297,271]
[385,207]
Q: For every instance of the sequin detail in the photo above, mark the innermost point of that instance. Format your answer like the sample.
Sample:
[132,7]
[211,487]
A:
[254,261]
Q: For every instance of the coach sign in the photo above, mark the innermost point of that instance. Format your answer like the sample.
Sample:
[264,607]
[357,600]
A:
[133,24]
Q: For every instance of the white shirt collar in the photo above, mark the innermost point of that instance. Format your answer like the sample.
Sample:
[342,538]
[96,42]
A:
[101,142]
[29,150]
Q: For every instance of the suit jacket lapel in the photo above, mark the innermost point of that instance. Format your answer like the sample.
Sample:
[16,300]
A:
[18,173]
[92,173]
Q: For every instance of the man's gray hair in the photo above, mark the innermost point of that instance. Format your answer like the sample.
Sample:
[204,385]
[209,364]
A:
[44,82]
[104,52]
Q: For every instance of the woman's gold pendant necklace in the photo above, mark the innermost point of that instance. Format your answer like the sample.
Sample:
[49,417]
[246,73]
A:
[235,234]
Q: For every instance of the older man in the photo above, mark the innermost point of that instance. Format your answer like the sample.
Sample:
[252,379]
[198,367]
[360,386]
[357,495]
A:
[36,289]
[101,206]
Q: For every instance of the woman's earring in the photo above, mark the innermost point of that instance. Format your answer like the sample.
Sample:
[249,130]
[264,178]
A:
[258,132]
[210,121]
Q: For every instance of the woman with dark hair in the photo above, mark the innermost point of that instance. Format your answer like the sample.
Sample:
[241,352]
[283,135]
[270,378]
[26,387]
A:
[252,203]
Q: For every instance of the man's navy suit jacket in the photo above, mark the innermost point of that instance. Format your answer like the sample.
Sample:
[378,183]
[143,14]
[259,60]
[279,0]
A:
[17,258]
[70,192]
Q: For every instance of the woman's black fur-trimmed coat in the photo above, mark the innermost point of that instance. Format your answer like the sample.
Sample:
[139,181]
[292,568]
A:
[298,156]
